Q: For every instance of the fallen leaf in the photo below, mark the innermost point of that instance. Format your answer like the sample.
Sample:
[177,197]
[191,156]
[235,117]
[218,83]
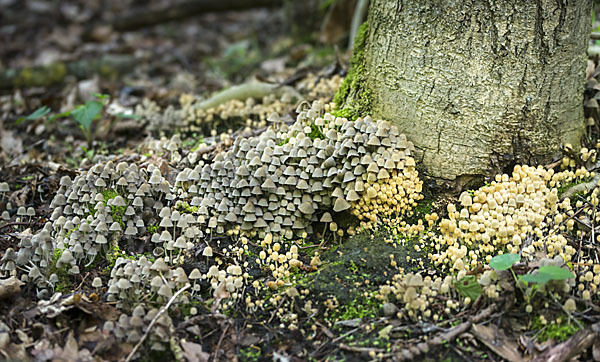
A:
[385,332]
[495,340]
[193,352]
[596,350]
[10,287]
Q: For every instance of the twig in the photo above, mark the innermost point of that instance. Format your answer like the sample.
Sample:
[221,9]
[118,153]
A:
[360,349]
[163,309]
[19,224]
[582,187]
[219,343]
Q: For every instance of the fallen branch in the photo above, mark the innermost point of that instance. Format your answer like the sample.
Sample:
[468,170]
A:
[572,347]
[582,187]
[145,16]
[162,310]
[252,89]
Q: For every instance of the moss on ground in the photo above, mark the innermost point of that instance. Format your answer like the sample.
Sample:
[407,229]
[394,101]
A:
[356,268]
[559,330]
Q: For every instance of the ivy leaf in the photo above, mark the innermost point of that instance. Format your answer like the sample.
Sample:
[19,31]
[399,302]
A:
[534,278]
[38,113]
[504,261]
[85,114]
[555,273]
[469,287]
[547,273]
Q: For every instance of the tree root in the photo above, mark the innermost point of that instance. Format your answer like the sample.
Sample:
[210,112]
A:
[254,89]
[582,187]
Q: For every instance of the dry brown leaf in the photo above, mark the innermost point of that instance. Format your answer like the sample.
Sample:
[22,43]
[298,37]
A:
[10,287]
[596,350]
[495,340]
[193,352]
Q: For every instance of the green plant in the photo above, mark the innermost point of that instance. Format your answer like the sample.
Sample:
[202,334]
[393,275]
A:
[468,287]
[558,332]
[85,114]
[544,274]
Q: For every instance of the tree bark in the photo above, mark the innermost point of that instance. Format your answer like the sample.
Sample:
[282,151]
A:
[478,86]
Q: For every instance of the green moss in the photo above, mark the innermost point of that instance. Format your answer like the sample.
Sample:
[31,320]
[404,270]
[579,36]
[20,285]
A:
[250,354]
[186,208]
[116,212]
[360,307]
[558,332]
[63,284]
[194,142]
[353,97]
[287,140]
[112,255]
[315,133]
[423,208]
[153,228]
[68,234]
[342,113]
[42,75]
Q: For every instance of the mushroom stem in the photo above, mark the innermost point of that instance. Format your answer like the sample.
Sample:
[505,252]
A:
[91,261]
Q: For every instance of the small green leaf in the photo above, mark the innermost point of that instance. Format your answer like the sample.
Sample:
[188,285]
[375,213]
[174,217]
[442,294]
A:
[38,113]
[555,273]
[123,115]
[85,114]
[469,287]
[504,261]
[101,96]
[547,273]
[534,278]
[60,115]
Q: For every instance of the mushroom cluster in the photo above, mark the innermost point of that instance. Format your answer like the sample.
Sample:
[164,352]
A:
[90,215]
[288,177]
[510,214]
[416,296]
[133,280]
[232,114]
[319,87]
[252,112]
[131,328]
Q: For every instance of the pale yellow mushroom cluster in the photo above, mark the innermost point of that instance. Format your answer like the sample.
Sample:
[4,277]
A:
[511,214]
[251,112]
[416,296]
[234,113]
[388,198]
[316,87]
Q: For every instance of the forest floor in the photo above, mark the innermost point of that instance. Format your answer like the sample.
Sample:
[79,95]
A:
[377,295]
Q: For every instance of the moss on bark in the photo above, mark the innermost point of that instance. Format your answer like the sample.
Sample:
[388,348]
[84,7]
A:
[353,98]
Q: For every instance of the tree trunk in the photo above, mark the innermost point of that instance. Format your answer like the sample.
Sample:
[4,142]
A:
[478,86]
